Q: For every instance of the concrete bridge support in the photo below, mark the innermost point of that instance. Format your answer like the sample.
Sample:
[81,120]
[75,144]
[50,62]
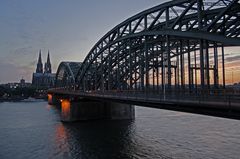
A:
[83,109]
[53,100]
[120,111]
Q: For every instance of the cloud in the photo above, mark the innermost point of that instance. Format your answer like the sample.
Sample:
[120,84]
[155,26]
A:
[10,71]
[32,64]
[23,50]
[232,58]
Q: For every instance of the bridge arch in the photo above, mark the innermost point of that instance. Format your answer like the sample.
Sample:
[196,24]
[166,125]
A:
[164,45]
[66,73]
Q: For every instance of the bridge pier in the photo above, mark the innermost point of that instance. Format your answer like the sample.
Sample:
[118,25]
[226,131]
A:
[53,100]
[82,109]
[118,111]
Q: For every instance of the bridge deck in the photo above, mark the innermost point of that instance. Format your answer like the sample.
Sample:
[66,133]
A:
[224,106]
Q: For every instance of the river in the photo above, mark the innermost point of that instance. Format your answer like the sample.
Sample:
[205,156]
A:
[32,130]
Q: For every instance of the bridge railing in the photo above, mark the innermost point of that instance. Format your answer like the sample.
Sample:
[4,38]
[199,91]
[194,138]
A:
[224,101]
[219,98]
[200,95]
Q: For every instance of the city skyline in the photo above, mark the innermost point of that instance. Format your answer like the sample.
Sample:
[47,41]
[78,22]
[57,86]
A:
[69,29]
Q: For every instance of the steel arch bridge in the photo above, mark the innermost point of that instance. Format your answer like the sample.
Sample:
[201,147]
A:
[170,56]
[175,45]
[66,74]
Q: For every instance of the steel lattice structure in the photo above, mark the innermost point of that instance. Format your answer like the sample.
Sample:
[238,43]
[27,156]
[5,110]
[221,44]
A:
[66,74]
[175,45]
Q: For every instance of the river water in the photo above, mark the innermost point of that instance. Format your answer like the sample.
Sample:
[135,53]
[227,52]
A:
[32,130]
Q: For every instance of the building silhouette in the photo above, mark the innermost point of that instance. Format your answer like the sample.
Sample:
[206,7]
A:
[43,78]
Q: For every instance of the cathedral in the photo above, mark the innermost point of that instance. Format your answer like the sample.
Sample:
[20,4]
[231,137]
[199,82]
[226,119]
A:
[43,78]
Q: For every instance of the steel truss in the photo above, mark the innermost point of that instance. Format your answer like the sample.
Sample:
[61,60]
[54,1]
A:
[66,74]
[178,45]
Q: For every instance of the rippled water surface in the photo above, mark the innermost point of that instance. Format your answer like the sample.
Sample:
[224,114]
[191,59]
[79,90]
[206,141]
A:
[33,130]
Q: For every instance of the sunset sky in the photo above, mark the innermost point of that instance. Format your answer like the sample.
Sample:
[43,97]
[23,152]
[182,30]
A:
[68,29]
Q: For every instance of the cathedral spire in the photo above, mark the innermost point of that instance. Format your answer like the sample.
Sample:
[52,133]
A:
[39,64]
[48,59]
[48,67]
[39,57]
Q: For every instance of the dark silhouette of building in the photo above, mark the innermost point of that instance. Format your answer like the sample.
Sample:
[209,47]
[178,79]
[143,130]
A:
[39,64]
[47,66]
[43,79]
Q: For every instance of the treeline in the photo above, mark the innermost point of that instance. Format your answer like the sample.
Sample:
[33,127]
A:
[19,91]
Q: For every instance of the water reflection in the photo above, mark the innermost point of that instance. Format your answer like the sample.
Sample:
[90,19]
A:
[34,130]
[100,139]
[62,146]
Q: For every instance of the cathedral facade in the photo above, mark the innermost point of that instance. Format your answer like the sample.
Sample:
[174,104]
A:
[43,77]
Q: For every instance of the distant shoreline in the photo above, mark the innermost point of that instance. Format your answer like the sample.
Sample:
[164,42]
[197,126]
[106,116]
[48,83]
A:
[20,99]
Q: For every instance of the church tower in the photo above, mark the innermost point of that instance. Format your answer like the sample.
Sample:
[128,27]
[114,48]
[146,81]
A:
[39,64]
[48,67]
